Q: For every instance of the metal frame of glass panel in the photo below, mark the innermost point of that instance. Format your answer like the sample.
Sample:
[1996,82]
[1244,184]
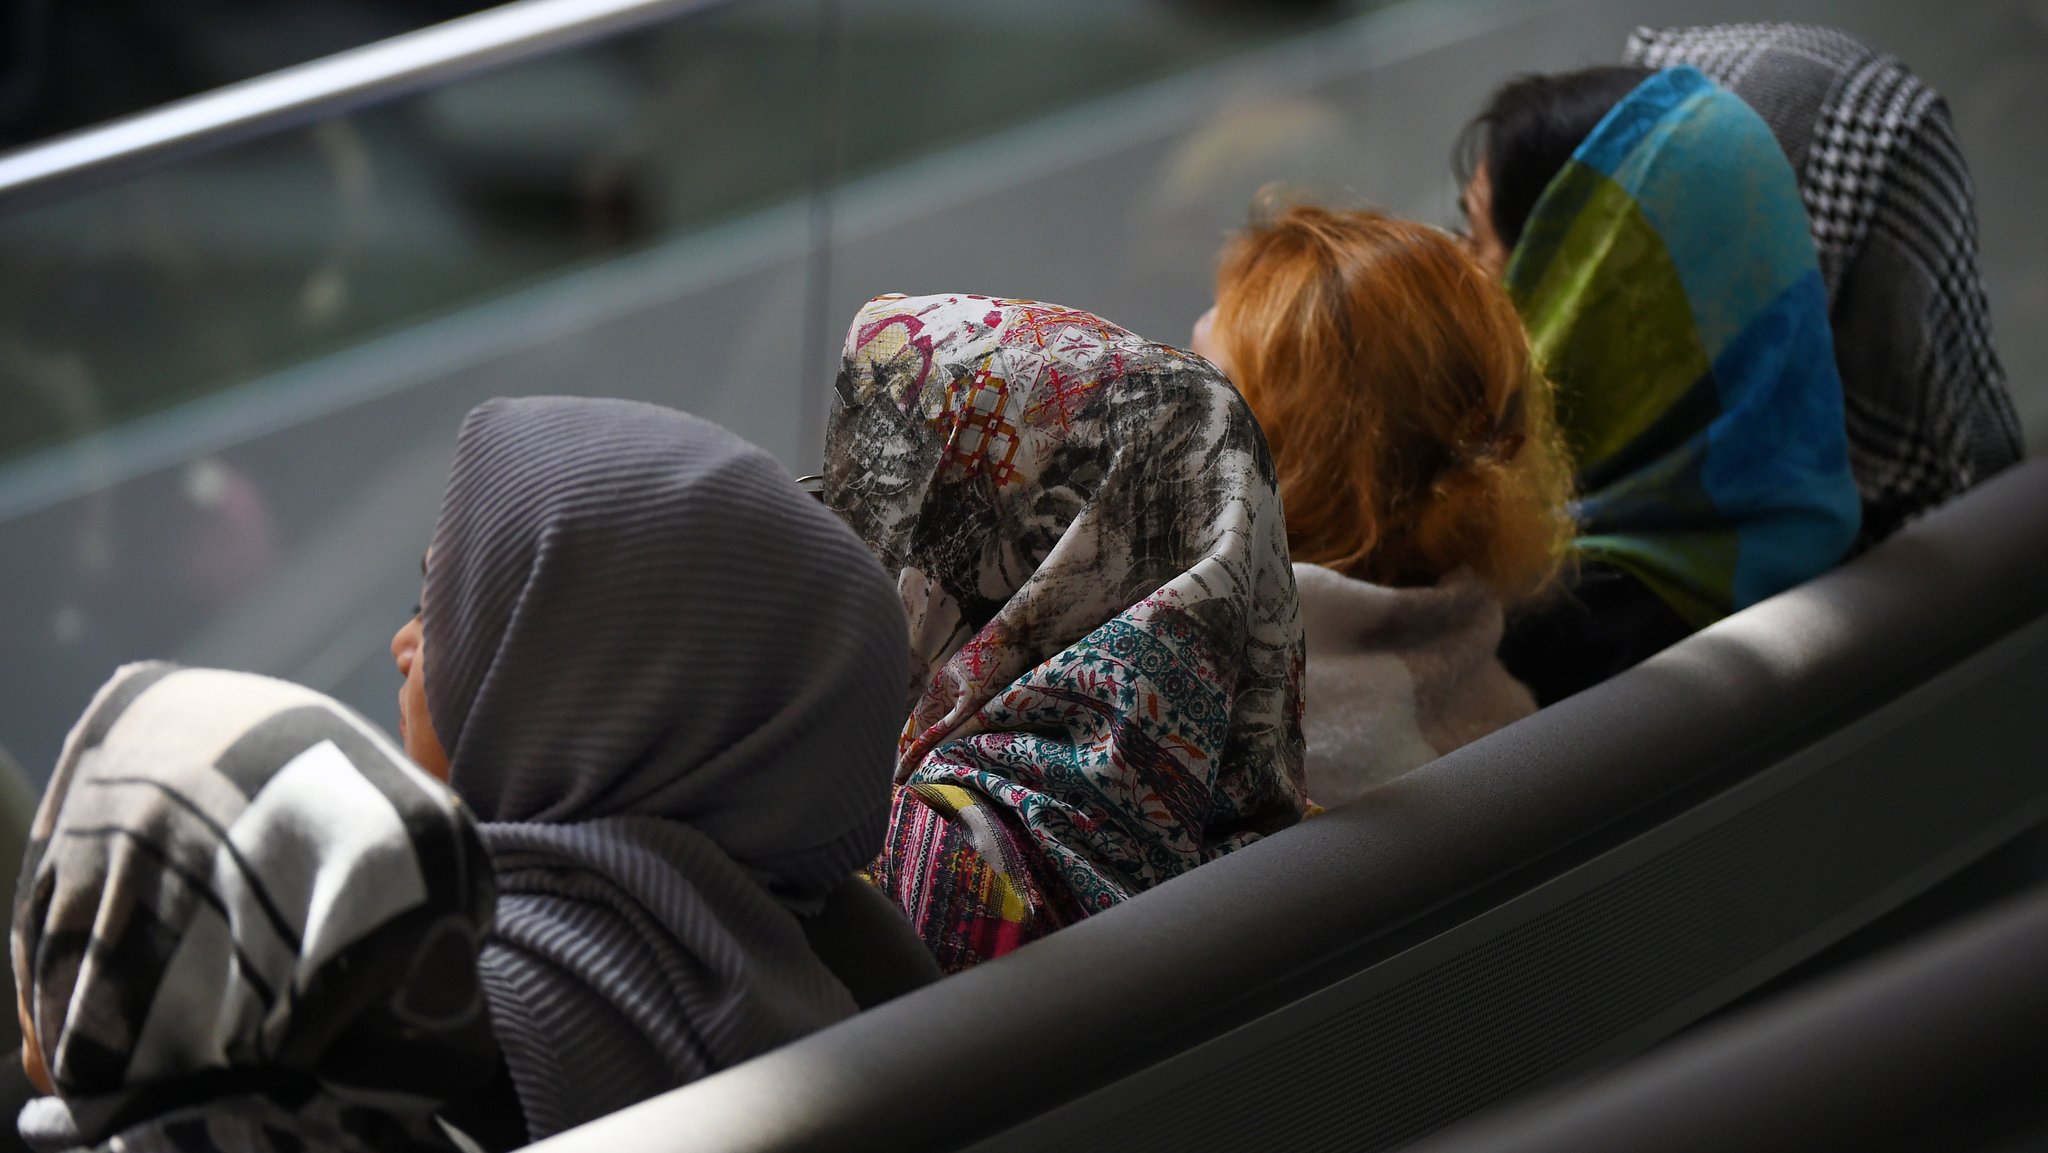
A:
[320,89]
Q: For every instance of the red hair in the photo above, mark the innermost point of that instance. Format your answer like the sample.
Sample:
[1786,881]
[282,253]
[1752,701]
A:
[1412,431]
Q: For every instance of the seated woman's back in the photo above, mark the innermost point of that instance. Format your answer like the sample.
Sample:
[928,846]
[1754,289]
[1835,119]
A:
[1420,469]
[665,679]
[248,925]
[1668,280]
[1105,655]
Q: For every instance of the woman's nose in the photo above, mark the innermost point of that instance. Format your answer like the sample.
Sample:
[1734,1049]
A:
[403,647]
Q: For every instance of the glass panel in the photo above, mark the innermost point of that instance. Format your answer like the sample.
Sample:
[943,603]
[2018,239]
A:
[1096,152]
[123,301]
[233,385]
[926,73]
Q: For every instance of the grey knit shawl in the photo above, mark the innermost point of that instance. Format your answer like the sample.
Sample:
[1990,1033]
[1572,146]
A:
[669,683]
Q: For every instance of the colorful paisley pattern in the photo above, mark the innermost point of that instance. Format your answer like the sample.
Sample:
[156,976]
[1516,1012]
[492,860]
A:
[1106,654]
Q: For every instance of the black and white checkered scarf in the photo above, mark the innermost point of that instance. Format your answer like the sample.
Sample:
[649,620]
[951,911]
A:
[1894,217]
[247,923]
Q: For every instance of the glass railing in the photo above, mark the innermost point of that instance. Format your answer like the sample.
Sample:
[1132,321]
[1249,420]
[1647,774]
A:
[233,355]
[186,278]
[192,276]
[237,334]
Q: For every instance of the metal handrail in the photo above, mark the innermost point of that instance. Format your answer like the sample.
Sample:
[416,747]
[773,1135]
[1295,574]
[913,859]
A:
[321,89]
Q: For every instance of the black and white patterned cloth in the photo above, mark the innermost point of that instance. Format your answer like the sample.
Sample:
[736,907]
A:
[1894,218]
[247,923]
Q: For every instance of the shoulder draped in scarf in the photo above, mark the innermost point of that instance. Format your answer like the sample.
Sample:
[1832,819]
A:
[1894,217]
[666,680]
[248,924]
[1106,657]
[1670,289]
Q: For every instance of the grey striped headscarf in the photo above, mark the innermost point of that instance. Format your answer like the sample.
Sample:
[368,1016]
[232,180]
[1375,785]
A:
[247,923]
[670,683]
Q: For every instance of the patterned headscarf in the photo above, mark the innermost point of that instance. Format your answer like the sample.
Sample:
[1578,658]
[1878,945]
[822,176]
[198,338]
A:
[1670,289]
[247,923]
[666,680]
[1106,659]
[1895,220]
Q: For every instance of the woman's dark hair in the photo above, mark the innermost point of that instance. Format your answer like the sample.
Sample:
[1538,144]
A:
[1530,129]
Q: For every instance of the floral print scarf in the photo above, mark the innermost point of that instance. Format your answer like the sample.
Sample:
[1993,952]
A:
[1105,649]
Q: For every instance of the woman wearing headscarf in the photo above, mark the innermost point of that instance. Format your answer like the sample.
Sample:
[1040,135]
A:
[1105,652]
[247,924]
[1894,218]
[663,677]
[1668,281]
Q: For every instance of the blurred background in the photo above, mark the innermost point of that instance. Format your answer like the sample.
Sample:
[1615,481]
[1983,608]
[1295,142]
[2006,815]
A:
[230,378]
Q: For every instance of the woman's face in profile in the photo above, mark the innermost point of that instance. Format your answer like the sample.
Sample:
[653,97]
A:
[1480,238]
[415,726]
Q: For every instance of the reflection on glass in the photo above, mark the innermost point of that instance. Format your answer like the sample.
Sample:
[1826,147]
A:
[124,300]
[924,73]
[629,218]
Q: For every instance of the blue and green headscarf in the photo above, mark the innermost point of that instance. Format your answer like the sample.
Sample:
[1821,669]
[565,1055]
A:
[1668,280]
